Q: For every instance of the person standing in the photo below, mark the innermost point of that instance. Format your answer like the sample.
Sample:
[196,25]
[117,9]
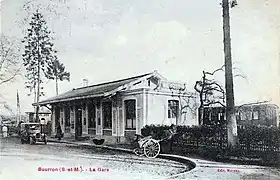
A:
[172,133]
[59,132]
[5,131]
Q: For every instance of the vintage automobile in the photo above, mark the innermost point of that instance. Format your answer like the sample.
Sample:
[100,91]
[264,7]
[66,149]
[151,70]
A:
[32,133]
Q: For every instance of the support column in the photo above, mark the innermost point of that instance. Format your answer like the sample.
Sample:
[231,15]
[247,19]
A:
[85,120]
[144,108]
[62,118]
[53,120]
[72,119]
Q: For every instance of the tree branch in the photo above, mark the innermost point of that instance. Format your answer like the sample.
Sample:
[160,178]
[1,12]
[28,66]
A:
[215,102]
[10,78]
[219,69]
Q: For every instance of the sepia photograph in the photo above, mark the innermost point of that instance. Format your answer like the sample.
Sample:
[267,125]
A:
[140,89]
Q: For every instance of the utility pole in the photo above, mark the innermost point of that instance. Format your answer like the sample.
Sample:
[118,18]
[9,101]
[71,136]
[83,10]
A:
[230,111]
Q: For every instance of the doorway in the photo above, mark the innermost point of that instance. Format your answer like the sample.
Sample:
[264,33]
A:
[57,117]
[78,122]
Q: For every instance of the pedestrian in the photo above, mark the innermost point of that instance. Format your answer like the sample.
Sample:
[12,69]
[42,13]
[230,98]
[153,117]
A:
[172,133]
[5,131]
[59,132]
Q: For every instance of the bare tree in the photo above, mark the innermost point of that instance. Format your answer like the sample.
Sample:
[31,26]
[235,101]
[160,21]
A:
[188,105]
[4,104]
[210,92]
[10,60]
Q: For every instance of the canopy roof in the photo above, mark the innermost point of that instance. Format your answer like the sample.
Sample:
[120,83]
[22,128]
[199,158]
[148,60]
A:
[98,90]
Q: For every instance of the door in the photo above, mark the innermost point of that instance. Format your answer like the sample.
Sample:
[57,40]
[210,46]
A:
[57,118]
[107,115]
[78,122]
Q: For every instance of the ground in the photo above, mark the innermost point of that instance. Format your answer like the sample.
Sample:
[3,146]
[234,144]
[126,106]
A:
[94,163]
[208,170]
[28,162]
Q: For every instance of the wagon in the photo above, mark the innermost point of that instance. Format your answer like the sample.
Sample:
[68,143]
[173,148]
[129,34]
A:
[147,146]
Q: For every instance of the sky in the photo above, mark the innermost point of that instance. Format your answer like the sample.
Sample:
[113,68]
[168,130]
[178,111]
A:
[104,40]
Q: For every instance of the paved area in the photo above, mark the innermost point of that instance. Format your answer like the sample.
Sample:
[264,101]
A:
[68,161]
[208,170]
[89,161]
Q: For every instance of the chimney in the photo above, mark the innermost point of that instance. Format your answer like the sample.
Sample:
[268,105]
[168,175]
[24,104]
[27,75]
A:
[85,82]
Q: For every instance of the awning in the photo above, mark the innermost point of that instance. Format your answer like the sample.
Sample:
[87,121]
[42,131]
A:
[99,90]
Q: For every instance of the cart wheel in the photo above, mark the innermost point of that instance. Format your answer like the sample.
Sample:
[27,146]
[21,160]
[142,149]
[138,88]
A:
[151,148]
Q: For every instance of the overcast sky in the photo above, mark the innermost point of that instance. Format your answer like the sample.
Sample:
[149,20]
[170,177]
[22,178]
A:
[104,40]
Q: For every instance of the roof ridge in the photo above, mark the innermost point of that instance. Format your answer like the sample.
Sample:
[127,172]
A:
[108,82]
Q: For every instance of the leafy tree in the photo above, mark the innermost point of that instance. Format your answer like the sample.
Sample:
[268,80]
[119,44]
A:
[56,71]
[38,56]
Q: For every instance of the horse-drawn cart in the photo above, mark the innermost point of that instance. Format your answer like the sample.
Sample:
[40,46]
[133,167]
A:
[147,146]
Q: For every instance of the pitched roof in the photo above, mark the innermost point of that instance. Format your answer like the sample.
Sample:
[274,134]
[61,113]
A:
[97,90]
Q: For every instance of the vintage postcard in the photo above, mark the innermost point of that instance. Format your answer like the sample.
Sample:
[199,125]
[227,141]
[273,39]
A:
[140,89]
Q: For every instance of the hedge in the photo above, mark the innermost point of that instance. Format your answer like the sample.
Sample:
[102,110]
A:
[211,141]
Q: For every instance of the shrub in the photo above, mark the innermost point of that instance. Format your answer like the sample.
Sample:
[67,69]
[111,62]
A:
[209,141]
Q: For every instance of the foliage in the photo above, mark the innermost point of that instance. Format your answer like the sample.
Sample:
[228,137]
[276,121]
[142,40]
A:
[56,71]
[40,57]
[39,52]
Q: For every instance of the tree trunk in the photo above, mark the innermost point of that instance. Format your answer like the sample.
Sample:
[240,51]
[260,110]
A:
[56,85]
[230,112]
[55,73]
[38,85]
[201,107]
[201,115]
[35,97]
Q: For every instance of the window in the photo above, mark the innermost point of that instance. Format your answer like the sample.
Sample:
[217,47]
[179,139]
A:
[130,114]
[91,116]
[173,108]
[255,115]
[243,115]
[221,116]
[238,116]
[249,115]
[107,115]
